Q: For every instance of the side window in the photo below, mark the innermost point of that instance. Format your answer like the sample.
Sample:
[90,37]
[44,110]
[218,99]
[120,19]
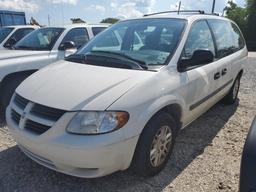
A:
[18,35]
[238,38]
[224,36]
[78,35]
[200,38]
[97,30]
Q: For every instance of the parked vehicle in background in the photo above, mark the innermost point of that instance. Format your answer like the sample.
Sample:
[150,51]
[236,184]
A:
[251,45]
[8,18]
[12,34]
[38,49]
[121,100]
[248,163]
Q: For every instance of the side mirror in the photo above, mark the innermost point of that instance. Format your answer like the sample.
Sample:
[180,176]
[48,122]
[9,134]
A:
[9,44]
[199,57]
[67,45]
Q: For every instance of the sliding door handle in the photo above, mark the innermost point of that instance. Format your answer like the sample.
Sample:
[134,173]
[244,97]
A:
[217,76]
[224,72]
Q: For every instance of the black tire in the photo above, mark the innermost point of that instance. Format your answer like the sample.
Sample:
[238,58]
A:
[142,163]
[8,90]
[231,97]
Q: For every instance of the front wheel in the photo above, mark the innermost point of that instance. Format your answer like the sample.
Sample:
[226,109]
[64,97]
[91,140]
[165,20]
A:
[155,145]
[231,97]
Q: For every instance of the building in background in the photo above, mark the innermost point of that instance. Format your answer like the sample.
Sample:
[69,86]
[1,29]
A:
[12,18]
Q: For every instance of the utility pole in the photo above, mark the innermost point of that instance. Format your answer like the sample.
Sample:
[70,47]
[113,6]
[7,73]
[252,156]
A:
[62,15]
[49,22]
[213,6]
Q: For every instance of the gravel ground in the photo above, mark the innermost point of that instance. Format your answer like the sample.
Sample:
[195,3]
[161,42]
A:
[206,157]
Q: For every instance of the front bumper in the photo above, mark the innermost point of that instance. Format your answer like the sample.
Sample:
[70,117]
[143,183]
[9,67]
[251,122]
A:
[77,155]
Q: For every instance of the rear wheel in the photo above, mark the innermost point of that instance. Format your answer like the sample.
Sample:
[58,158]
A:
[231,97]
[155,145]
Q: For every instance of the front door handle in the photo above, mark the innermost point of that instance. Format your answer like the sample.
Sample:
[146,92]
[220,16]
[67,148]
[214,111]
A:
[217,76]
[224,72]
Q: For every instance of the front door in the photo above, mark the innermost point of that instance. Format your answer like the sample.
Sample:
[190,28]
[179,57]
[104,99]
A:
[200,82]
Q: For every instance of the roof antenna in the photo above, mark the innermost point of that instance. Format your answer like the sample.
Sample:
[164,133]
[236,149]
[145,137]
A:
[213,6]
[179,7]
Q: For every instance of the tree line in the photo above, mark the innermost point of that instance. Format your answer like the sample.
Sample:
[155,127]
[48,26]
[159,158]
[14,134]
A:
[245,17]
[107,20]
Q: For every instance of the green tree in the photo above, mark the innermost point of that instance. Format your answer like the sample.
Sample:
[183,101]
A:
[251,9]
[238,15]
[110,20]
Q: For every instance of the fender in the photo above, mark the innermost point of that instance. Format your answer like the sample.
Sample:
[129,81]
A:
[142,117]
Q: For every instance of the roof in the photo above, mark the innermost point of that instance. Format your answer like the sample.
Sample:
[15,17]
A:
[186,16]
[12,12]
[22,26]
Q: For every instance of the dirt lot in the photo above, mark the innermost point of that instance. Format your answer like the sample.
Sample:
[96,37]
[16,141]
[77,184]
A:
[206,157]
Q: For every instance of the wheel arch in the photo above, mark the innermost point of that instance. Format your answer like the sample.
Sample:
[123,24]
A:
[240,73]
[174,109]
[13,75]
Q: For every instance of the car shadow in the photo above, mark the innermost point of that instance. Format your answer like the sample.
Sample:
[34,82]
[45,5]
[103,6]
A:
[19,173]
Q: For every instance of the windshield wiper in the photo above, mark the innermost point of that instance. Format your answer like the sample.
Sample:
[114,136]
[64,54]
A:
[77,58]
[139,62]
[23,47]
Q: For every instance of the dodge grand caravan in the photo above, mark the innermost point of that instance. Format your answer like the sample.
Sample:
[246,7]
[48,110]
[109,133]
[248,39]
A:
[40,48]
[121,100]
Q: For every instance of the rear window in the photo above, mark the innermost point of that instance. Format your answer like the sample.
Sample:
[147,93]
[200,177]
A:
[228,37]
[97,30]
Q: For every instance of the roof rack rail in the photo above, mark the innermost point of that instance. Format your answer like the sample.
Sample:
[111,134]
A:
[178,11]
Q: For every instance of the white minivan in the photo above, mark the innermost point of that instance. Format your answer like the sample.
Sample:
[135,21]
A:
[38,49]
[120,102]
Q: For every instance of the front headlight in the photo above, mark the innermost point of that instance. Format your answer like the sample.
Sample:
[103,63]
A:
[97,122]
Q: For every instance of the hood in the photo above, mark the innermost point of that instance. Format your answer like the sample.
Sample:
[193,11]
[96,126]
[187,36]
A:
[73,86]
[16,54]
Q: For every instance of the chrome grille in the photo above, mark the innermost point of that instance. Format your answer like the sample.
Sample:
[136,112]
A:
[46,112]
[20,101]
[36,127]
[15,117]
[33,117]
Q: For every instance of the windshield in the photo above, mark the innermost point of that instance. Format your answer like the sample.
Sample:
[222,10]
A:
[40,39]
[4,32]
[149,41]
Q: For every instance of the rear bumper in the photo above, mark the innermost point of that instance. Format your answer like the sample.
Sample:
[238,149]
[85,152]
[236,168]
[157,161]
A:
[77,155]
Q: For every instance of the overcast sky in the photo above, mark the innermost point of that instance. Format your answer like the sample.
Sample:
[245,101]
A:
[93,11]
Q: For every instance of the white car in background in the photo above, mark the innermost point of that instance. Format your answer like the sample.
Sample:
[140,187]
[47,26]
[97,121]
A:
[12,34]
[108,107]
[38,49]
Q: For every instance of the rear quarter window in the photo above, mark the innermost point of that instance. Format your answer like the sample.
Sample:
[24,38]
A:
[238,37]
[97,30]
[228,37]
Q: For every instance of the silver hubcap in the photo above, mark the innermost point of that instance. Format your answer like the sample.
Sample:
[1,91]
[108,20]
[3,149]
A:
[235,89]
[160,146]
